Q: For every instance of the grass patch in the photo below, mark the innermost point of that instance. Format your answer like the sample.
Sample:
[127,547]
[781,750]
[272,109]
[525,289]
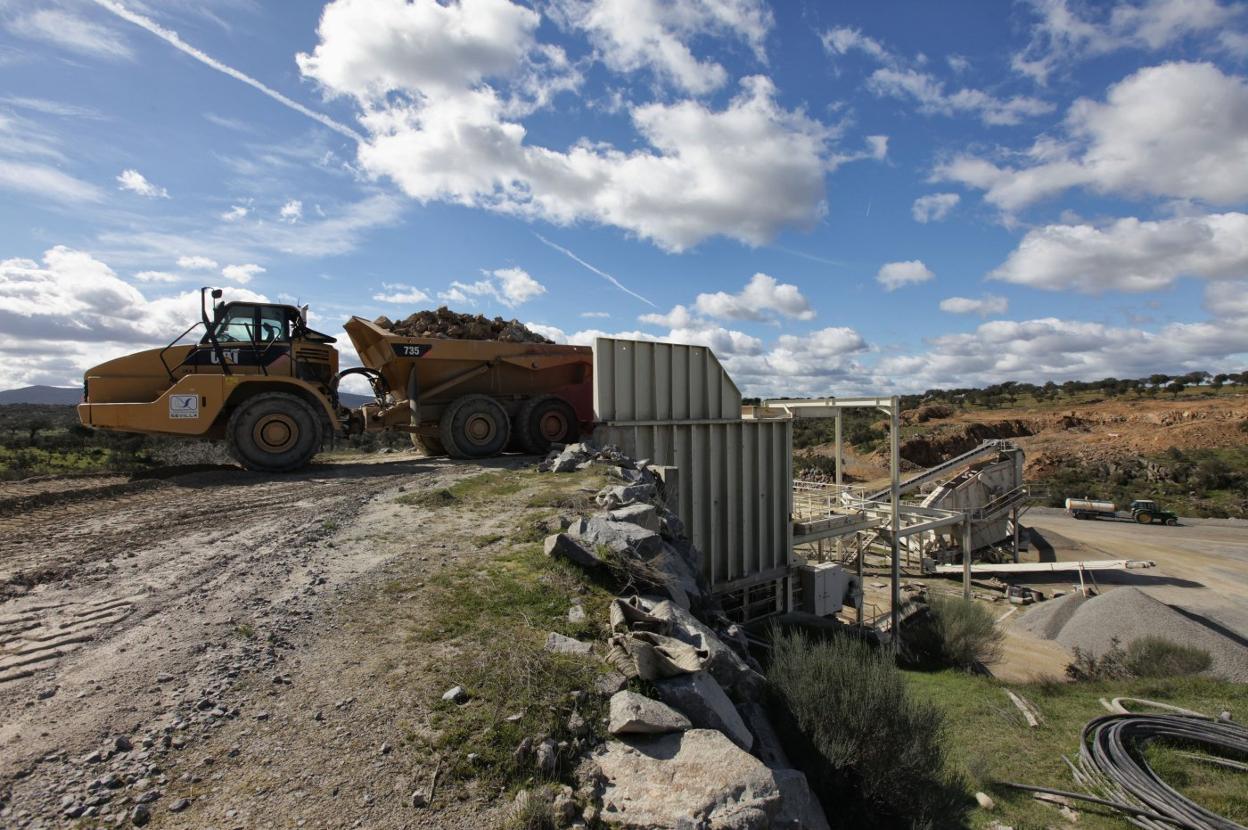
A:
[989,741]
[1158,657]
[474,489]
[487,539]
[442,497]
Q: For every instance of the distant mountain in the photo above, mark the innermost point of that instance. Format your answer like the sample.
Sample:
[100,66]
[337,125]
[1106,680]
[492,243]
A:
[66,395]
[352,401]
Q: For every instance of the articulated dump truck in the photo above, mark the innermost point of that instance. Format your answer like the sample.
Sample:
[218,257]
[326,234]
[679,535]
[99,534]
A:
[260,379]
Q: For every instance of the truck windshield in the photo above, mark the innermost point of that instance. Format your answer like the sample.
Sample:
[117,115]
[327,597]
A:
[238,325]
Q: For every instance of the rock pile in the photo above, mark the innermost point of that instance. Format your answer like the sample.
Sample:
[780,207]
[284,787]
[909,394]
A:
[444,324]
[704,753]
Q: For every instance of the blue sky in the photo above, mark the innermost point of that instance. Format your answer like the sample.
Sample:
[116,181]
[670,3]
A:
[835,197]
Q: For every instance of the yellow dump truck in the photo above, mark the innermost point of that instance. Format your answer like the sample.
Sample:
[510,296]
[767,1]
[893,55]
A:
[260,379]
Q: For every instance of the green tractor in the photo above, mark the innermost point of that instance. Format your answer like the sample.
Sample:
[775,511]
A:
[1147,512]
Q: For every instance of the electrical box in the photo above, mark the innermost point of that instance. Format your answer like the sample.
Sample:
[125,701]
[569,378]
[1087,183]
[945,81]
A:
[825,587]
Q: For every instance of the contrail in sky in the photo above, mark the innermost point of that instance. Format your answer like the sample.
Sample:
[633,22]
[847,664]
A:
[597,271]
[171,37]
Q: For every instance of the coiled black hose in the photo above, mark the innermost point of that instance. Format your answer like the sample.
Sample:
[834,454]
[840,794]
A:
[1112,766]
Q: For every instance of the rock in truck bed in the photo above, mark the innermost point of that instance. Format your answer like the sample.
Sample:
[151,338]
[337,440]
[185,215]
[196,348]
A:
[446,324]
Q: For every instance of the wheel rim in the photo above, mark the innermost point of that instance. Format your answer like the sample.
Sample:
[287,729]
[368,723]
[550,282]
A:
[275,433]
[480,429]
[552,425]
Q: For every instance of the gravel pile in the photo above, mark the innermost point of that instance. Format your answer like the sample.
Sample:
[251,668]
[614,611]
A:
[445,324]
[1047,619]
[1129,614]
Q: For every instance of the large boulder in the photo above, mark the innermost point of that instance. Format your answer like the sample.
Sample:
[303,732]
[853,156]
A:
[706,705]
[724,664]
[617,537]
[634,714]
[642,515]
[799,808]
[612,497]
[563,546]
[695,780]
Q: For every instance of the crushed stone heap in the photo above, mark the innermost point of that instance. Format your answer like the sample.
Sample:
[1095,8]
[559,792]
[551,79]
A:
[445,324]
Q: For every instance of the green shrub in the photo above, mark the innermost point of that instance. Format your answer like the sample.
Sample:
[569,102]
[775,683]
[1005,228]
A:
[873,755]
[1111,665]
[1158,657]
[953,634]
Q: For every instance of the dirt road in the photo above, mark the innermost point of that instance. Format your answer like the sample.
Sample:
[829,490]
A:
[1200,564]
[152,632]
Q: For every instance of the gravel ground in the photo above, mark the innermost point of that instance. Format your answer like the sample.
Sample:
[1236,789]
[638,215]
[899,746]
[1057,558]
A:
[1129,614]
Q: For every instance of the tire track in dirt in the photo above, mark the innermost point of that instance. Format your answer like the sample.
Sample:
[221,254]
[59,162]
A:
[158,601]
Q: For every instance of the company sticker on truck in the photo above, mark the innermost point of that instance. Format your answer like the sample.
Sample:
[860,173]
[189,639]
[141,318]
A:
[184,406]
[411,349]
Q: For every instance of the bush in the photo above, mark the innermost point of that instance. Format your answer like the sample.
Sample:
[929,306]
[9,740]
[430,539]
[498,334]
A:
[1112,665]
[1158,657]
[873,755]
[954,633]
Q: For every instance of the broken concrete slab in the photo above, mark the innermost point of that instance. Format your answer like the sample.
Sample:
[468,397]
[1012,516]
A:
[685,780]
[642,515]
[559,644]
[634,714]
[707,706]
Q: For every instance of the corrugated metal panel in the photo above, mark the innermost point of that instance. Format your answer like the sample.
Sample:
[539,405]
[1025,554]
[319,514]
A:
[641,381]
[734,489]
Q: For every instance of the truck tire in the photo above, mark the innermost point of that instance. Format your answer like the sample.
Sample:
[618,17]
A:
[544,421]
[475,426]
[428,445]
[1144,517]
[274,432]
[1172,522]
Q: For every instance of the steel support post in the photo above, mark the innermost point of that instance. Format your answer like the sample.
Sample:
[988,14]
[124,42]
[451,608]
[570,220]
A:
[1014,522]
[966,558]
[839,462]
[895,518]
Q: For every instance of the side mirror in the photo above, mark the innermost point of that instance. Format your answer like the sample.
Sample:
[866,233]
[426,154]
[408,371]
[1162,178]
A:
[217,293]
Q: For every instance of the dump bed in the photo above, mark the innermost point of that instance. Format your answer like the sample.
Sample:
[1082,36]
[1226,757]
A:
[434,372]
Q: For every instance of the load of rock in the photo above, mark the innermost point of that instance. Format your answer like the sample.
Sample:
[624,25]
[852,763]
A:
[1125,615]
[444,324]
[703,755]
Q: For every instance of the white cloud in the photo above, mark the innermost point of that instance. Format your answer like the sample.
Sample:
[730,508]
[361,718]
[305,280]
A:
[47,183]
[400,294]
[197,263]
[549,332]
[156,276]
[934,206]
[241,274]
[136,182]
[72,311]
[69,31]
[596,314]
[958,63]
[629,35]
[235,213]
[1130,254]
[877,147]
[762,294]
[907,80]
[986,306]
[291,212]
[509,286]
[1046,349]
[686,327]
[893,275]
[1173,130]
[930,94]
[443,123]
[1064,35]
[1227,300]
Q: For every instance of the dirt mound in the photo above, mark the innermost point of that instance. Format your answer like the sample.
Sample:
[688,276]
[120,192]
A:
[930,450]
[1128,614]
[444,324]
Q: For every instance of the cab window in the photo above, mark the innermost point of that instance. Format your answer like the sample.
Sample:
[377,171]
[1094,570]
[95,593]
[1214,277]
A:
[273,323]
[238,325]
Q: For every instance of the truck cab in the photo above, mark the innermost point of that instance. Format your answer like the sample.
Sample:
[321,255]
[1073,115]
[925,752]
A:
[258,377]
[1146,511]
